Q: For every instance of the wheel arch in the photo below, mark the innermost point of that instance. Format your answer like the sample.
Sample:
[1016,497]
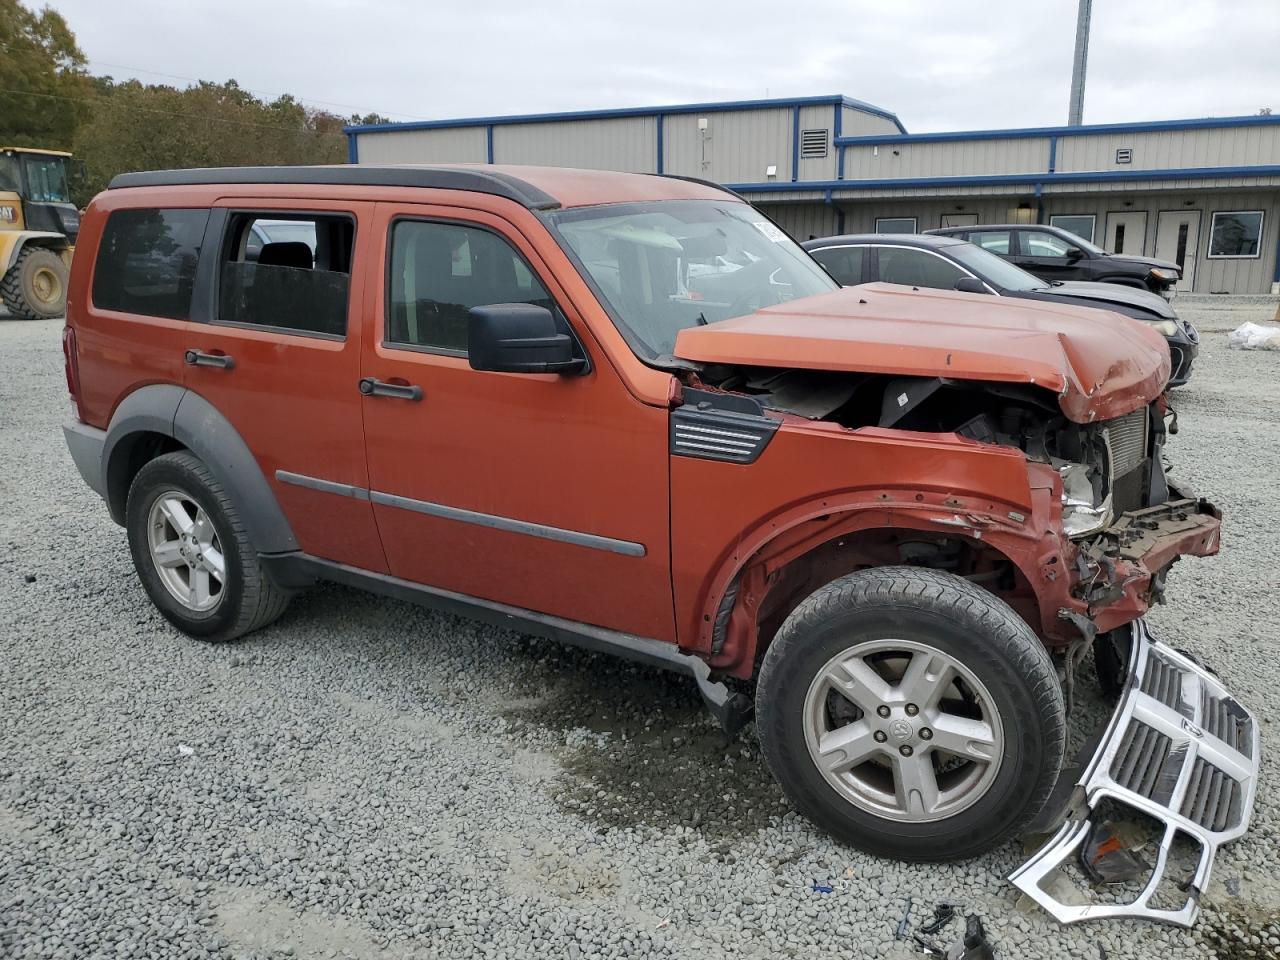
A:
[12,243]
[779,563]
[161,418]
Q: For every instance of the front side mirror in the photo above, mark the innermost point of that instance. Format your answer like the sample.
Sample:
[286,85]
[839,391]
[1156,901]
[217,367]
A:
[971,285]
[1073,254]
[519,338]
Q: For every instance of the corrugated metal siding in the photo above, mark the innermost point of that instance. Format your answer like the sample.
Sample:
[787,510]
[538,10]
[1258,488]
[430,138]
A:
[947,159]
[803,220]
[458,145]
[629,144]
[856,123]
[736,147]
[821,117]
[1173,149]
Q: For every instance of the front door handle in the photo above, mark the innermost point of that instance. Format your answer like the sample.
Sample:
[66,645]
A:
[198,359]
[381,388]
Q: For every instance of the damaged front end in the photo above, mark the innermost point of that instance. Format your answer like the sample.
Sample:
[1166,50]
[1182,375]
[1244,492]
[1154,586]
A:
[1181,753]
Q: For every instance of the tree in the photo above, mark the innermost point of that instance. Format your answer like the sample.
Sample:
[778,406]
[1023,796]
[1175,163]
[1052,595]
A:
[135,126]
[42,78]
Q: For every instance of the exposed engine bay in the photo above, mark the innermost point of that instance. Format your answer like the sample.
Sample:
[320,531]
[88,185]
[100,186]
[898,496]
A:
[1107,468]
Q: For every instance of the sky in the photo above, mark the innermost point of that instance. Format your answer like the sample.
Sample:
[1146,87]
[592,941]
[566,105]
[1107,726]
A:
[938,65]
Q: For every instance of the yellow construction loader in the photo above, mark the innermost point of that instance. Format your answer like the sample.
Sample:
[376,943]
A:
[38,227]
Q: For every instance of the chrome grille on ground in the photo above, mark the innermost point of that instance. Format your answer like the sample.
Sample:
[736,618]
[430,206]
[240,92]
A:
[1127,441]
[1181,750]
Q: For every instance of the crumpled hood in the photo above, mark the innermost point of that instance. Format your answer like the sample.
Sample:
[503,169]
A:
[1101,365]
[1116,293]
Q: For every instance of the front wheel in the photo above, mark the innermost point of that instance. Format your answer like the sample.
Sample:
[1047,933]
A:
[912,714]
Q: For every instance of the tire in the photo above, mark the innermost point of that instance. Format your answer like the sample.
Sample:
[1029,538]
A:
[243,598]
[1007,705]
[35,288]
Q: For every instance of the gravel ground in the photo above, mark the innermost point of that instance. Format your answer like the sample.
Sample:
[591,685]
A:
[369,779]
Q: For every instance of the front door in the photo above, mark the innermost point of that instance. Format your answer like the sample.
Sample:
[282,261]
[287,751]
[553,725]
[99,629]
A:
[279,355]
[1177,239]
[1127,232]
[545,492]
[1047,255]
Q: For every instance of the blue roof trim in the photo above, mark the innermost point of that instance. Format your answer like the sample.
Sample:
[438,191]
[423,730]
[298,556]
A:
[1150,126]
[668,110]
[1012,179]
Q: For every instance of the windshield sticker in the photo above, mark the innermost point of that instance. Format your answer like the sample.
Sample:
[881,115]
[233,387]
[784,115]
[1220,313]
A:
[770,231]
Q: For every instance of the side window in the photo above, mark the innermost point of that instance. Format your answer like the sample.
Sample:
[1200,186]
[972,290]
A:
[917,268]
[439,271]
[293,273]
[843,263]
[1036,243]
[996,241]
[147,262]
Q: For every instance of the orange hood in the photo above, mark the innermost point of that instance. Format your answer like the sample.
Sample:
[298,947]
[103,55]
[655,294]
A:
[1100,364]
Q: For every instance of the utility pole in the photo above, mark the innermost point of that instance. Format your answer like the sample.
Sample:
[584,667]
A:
[1075,112]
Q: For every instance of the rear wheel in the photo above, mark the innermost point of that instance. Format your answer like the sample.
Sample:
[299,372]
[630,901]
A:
[192,553]
[912,714]
[35,288]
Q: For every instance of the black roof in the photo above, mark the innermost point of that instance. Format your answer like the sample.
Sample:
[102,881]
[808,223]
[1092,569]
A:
[901,239]
[447,178]
[943,231]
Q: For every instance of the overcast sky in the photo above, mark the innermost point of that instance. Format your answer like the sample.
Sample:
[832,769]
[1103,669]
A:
[938,64]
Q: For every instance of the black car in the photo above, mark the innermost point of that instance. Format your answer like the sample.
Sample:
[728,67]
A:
[1052,253]
[948,263]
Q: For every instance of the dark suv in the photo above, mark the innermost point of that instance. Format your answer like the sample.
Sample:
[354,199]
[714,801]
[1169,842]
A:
[1052,253]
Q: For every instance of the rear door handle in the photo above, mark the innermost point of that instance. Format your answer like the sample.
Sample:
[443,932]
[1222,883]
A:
[197,359]
[381,388]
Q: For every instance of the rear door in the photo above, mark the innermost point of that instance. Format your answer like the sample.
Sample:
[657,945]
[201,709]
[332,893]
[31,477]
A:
[280,357]
[545,492]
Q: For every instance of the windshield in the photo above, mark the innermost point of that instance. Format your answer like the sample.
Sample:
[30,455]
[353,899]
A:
[8,172]
[46,179]
[665,266]
[995,270]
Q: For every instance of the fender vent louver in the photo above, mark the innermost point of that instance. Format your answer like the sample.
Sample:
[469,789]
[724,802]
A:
[706,430]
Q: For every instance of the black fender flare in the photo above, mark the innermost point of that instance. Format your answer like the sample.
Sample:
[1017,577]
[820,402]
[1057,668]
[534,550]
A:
[196,424]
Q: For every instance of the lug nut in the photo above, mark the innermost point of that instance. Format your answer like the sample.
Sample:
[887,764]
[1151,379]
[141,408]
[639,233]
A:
[882,710]
[926,733]
[912,709]
[905,750]
[880,736]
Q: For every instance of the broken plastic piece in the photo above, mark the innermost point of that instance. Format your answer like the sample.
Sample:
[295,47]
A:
[942,915]
[1105,859]
[1181,750]
[902,924]
[821,887]
[974,945]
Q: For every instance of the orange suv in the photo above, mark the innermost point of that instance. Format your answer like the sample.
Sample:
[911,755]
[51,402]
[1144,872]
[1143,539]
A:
[629,412]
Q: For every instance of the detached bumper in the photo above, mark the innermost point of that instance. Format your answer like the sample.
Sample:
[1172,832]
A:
[1179,749]
[1124,565]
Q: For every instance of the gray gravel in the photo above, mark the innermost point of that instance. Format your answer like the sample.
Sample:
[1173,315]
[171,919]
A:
[369,779]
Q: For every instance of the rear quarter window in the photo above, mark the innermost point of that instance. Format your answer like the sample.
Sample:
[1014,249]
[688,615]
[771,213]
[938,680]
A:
[146,262]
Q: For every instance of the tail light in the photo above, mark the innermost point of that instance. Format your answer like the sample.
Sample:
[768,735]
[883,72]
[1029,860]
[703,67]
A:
[71,364]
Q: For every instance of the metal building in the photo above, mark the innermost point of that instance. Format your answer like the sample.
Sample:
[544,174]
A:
[1204,192]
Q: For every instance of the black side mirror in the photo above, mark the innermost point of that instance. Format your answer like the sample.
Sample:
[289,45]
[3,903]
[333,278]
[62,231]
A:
[519,338]
[971,285]
[1074,254]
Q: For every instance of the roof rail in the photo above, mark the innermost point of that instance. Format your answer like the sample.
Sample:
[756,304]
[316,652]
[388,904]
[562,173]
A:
[440,178]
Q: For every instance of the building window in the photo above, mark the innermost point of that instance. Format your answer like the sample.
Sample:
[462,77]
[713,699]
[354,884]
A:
[1235,234]
[813,144]
[1080,224]
[895,225]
